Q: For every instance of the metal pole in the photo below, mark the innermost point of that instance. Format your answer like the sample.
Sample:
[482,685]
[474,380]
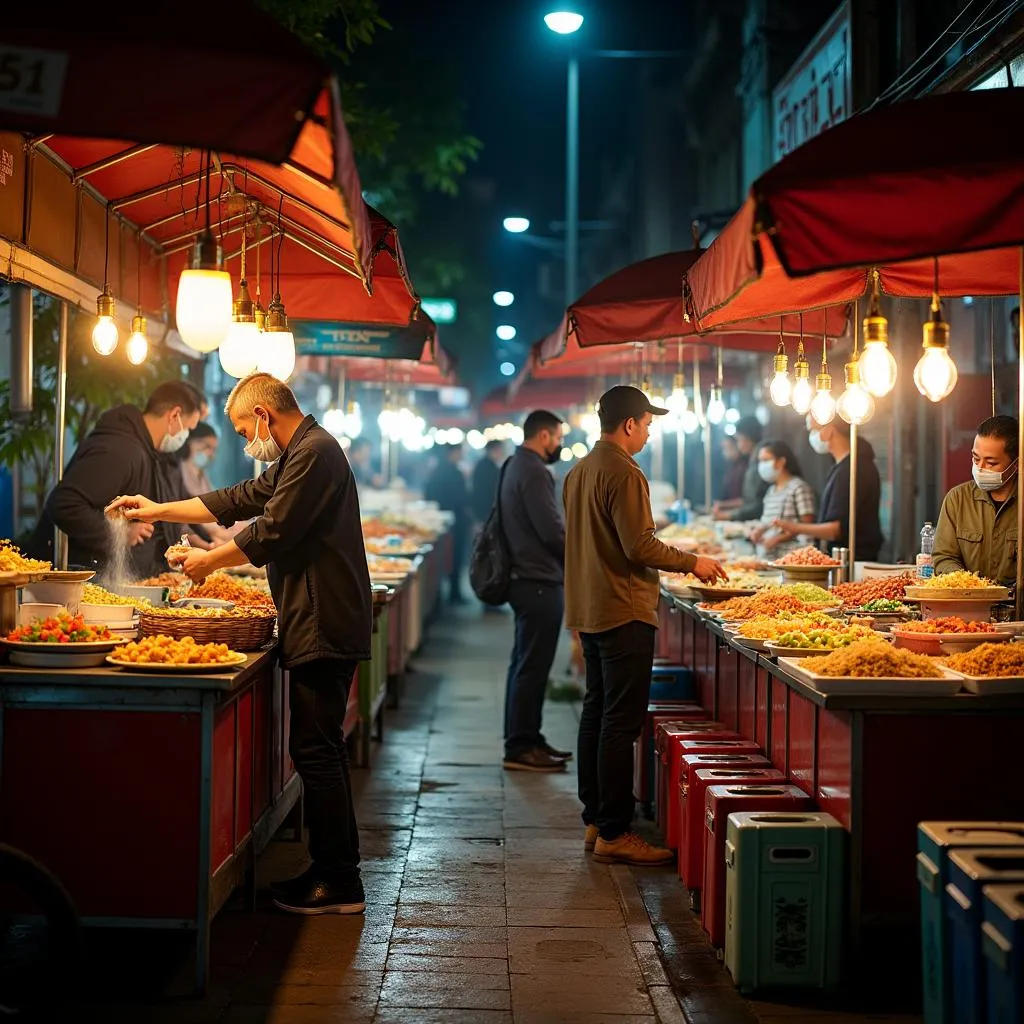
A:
[1018,595]
[60,540]
[572,156]
[707,465]
[851,542]
[658,456]
[680,462]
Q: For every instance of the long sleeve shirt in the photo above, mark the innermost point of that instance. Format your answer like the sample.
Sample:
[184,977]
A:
[611,553]
[975,534]
[307,532]
[531,519]
[754,490]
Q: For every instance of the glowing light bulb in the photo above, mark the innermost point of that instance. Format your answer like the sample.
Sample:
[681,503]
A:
[823,405]
[781,389]
[716,407]
[104,332]
[803,395]
[935,374]
[276,354]
[137,347]
[203,309]
[239,351]
[855,405]
[877,368]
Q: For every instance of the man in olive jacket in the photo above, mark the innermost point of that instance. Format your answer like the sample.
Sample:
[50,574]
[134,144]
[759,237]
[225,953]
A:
[307,532]
[612,558]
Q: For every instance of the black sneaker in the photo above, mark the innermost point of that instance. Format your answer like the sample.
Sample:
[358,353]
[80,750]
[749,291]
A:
[324,898]
[562,755]
[534,761]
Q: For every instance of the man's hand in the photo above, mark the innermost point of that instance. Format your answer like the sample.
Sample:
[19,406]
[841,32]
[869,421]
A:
[196,566]
[708,569]
[139,532]
[789,528]
[197,542]
[135,507]
[756,534]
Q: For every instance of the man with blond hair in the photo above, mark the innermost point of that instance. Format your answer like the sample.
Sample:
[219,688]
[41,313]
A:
[306,531]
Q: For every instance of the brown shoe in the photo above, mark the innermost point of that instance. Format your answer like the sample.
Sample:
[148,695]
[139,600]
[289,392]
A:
[629,848]
[590,838]
[533,761]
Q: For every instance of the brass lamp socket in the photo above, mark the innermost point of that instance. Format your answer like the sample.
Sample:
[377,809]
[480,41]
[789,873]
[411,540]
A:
[936,331]
[781,362]
[277,319]
[138,324]
[852,373]
[260,316]
[802,370]
[678,382]
[823,382]
[876,328]
[243,309]
[206,252]
[105,304]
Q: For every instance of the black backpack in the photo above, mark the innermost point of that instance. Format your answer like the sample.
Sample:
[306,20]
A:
[490,566]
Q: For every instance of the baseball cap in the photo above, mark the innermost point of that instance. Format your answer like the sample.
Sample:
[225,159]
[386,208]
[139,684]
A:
[623,402]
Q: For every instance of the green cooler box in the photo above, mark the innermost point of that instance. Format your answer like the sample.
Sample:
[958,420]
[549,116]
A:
[784,899]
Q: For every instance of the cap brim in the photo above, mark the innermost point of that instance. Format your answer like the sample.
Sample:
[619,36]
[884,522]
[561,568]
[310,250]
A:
[656,410]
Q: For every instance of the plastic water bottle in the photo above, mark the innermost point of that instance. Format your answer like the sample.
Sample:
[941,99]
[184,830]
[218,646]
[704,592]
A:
[925,564]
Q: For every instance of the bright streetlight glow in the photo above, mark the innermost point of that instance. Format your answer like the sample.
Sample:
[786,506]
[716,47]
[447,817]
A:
[505,332]
[565,23]
[516,225]
[507,369]
[503,298]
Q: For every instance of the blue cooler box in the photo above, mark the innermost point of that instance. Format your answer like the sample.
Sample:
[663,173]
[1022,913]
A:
[935,839]
[671,682]
[970,870]
[1002,940]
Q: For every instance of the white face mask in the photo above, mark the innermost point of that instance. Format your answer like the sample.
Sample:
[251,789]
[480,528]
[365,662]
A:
[820,446]
[991,480]
[263,449]
[768,471]
[172,442]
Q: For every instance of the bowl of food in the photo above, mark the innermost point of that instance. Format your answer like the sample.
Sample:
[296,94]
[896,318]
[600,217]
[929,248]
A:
[28,611]
[106,614]
[67,595]
[155,595]
[948,635]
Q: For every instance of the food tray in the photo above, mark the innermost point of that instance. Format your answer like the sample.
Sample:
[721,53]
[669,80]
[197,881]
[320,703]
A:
[249,633]
[750,643]
[993,594]
[164,668]
[49,658]
[20,579]
[83,647]
[79,576]
[779,651]
[945,643]
[986,686]
[722,593]
[949,684]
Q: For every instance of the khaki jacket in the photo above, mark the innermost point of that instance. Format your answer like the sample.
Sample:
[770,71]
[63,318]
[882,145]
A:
[611,553]
[971,534]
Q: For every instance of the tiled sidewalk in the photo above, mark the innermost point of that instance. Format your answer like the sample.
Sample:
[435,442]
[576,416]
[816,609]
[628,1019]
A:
[482,906]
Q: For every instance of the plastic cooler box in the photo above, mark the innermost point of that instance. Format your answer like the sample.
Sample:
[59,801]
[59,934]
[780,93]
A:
[721,799]
[732,762]
[671,682]
[1002,941]
[694,727]
[784,878]
[667,743]
[934,841]
[643,748]
[970,870]
[690,860]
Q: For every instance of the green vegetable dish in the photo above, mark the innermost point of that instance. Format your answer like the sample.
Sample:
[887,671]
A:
[885,604]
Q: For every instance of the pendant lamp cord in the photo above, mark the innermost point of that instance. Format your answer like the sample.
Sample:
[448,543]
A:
[992,350]
[106,246]
[208,165]
[801,355]
[280,245]
[138,284]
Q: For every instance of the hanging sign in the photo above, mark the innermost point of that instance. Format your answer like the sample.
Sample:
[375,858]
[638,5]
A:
[31,81]
[330,338]
[817,91]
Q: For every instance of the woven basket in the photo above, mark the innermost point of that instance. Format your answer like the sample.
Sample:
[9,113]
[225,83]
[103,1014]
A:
[248,633]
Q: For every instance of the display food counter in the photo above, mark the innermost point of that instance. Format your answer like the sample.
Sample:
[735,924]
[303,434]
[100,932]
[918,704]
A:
[879,764]
[149,795]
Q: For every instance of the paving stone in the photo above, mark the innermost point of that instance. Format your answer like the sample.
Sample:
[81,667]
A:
[447,964]
[584,995]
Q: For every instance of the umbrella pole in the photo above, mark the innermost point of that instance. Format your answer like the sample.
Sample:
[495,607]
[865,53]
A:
[680,462]
[1018,595]
[60,540]
[707,466]
[851,543]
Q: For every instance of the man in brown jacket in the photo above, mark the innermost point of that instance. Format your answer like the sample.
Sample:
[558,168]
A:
[611,599]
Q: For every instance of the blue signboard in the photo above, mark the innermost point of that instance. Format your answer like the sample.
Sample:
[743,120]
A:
[333,338]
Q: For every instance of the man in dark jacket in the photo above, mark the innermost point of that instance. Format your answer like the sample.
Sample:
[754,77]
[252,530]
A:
[535,534]
[129,451]
[307,532]
[749,505]
[447,487]
[485,479]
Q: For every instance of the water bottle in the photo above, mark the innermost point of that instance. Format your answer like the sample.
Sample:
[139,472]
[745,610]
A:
[925,565]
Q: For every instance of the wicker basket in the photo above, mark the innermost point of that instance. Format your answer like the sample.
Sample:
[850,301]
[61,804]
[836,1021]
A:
[240,633]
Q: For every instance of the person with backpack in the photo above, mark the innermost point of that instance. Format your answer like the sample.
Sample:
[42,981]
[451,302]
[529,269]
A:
[534,535]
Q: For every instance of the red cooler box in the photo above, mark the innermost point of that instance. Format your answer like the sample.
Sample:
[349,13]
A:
[691,763]
[720,802]
[643,748]
[690,862]
[666,767]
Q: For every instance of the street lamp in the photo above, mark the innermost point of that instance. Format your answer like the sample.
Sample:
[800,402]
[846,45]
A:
[505,332]
[503,298]
[563,22]
[516,225]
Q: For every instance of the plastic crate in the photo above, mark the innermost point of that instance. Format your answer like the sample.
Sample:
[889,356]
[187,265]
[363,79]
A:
[970,870]
[721,799]
[1002,942]
[934,841]
[784,903]
[643,748]
[672,682]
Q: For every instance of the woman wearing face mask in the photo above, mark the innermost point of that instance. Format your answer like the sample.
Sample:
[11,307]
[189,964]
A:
[201,450]
[789,497]
[833,525]
[977,527]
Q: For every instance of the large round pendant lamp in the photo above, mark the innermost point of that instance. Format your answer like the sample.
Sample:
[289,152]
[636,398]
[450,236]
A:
[203,310]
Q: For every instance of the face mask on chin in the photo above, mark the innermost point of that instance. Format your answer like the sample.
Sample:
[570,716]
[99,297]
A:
[173,442]
[819,445]
[993,480]
[265,450]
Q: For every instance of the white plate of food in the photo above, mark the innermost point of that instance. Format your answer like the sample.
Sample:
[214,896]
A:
[237,659]
[945,685]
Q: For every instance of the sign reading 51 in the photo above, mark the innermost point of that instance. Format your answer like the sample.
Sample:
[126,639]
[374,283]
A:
[31,81]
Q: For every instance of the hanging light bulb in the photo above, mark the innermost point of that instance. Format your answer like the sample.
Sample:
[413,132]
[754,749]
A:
[716,407]
[855,404]
[137,347]
[781,388]
[823,405]
[877,363]
[239,350]
[277,348]
[803,390]
[935,374]
[678,401]
[104,332]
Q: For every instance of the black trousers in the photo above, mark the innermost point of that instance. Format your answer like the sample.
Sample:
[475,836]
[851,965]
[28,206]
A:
[619,664]
[538,609]
[318,693]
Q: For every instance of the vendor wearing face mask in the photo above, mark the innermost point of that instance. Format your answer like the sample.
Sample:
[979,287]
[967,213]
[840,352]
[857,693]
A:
[307,532]
[832,528]
[977,528]
[125,452]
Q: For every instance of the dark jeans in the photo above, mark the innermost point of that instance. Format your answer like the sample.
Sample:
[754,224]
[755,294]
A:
[619,665]
[460,552]
[319,693]
[538,608]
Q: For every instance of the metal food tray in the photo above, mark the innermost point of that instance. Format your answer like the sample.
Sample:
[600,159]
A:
[988,686]
[898,686]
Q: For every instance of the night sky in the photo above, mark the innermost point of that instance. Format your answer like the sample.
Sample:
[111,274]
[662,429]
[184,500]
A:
[511,75]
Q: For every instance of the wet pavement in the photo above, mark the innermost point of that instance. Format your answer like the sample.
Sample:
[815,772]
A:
[482,907]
